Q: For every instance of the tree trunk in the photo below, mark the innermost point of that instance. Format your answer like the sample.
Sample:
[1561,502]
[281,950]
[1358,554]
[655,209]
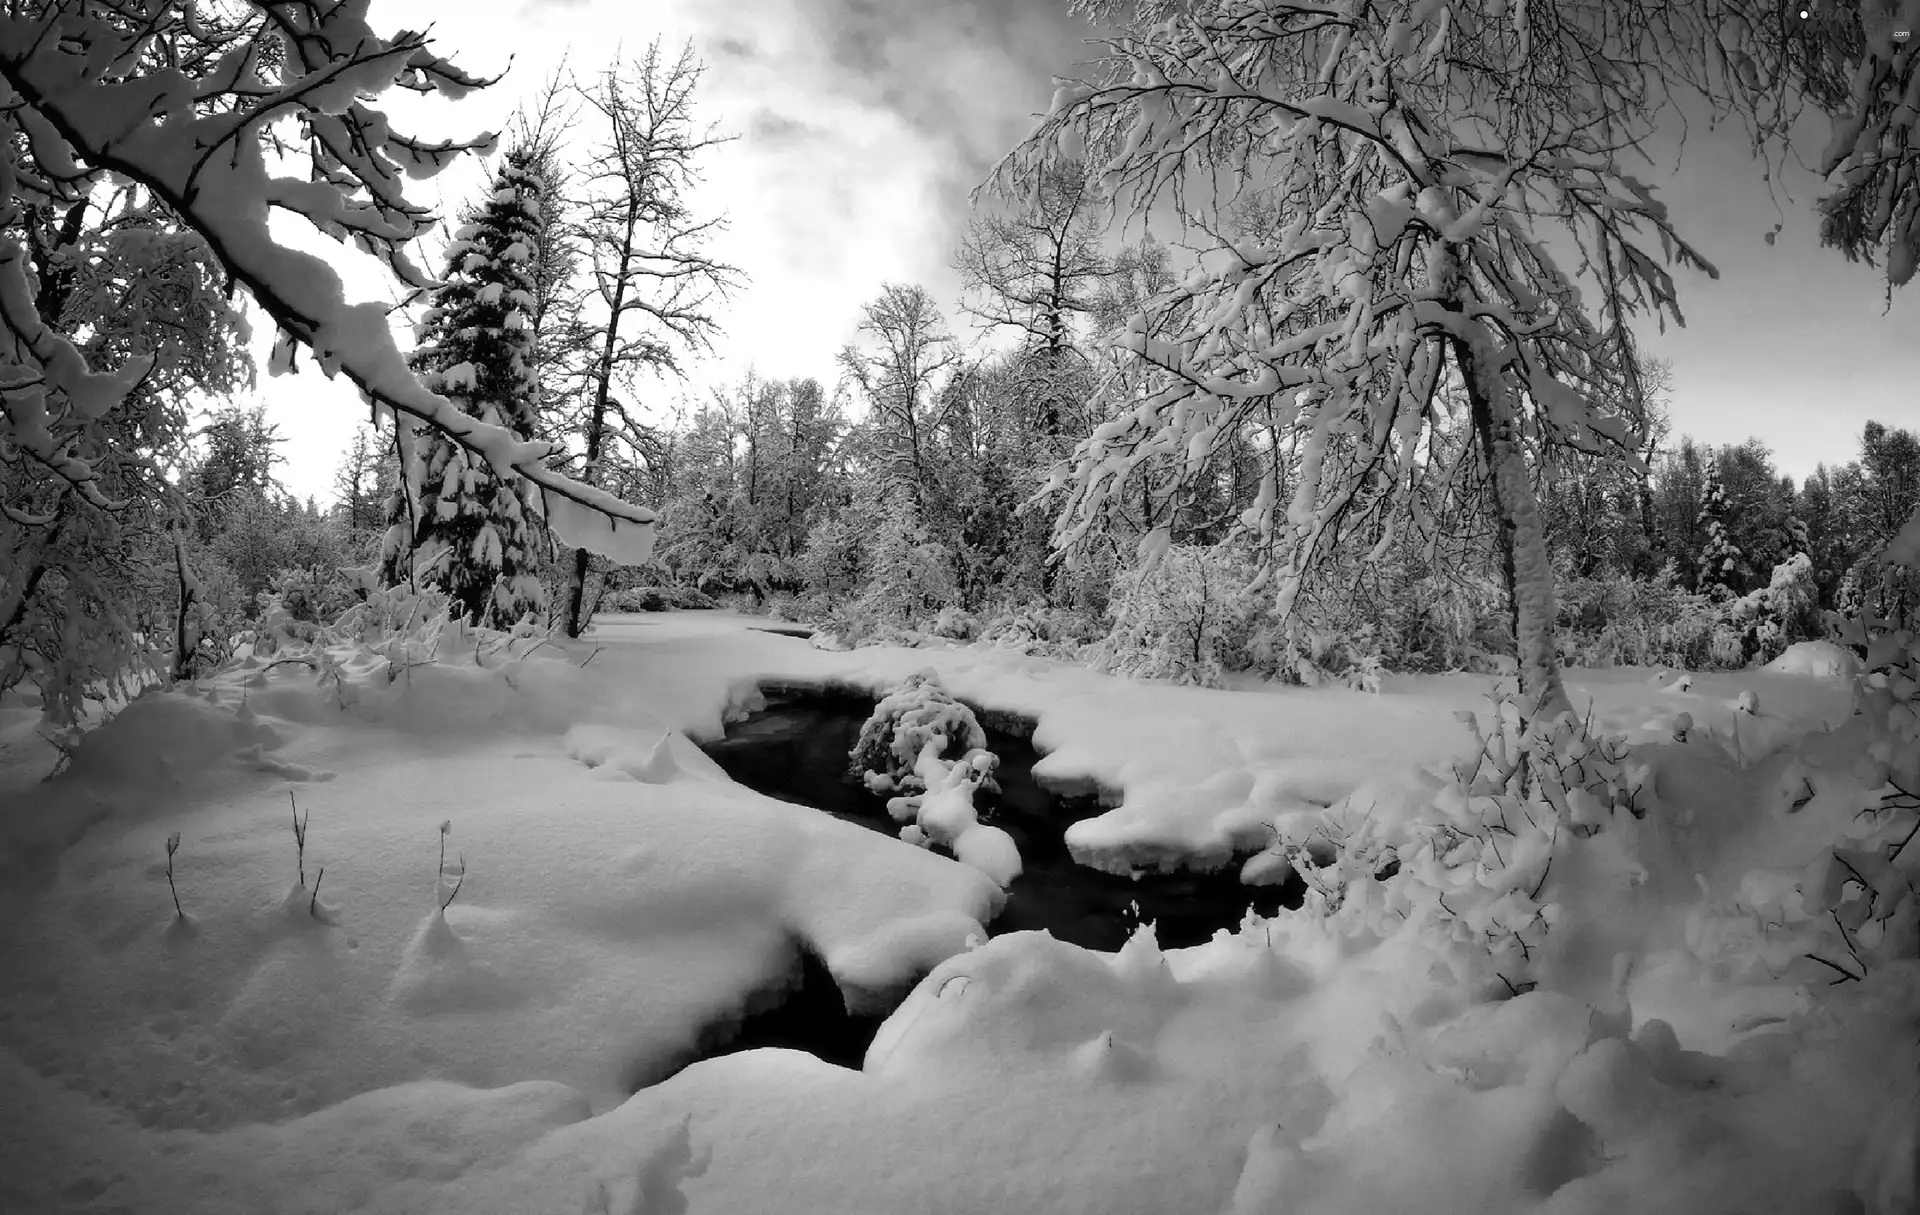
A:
[577,577]
[1523,541]
[597,421]
[186,633]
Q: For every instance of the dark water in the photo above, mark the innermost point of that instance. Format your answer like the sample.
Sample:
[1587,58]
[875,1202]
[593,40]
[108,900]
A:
[796,750]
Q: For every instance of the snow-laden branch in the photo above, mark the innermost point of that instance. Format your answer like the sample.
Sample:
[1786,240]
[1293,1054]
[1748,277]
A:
[206,163]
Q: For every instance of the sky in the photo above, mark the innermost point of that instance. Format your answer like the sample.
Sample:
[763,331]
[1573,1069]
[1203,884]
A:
[861,127]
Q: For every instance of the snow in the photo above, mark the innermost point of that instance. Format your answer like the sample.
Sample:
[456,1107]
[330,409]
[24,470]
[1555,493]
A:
[365,1050]
[1821,658]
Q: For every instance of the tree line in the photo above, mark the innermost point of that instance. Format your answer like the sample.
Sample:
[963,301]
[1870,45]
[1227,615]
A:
[1355,395]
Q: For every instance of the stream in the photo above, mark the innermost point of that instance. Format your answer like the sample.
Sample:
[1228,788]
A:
[796,749]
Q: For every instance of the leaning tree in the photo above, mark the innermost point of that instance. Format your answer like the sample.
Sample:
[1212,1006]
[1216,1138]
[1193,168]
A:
[222,114]
[1389,206]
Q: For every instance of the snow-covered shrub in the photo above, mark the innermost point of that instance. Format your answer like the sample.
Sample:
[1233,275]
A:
[910,576]
[1191,618]
[929,751]
[1034,628]
[834,564]
[955,624]
[903,723]
[1475,874]
[1318,657]
[1621,621]
[660,599]
[1186,618]
[311,594]
[1773,617]
[1852,909]
[1408,613]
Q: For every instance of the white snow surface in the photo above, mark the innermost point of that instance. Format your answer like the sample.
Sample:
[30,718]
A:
[280,1050]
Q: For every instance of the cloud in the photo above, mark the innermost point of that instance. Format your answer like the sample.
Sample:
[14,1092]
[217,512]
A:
[963,77]
[729,46]
[771,130]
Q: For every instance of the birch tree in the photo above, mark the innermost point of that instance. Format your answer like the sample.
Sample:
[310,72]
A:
[655,282]
[1408,158]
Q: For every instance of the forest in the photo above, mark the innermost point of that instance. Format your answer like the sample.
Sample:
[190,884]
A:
[1012,489]
[1257,706]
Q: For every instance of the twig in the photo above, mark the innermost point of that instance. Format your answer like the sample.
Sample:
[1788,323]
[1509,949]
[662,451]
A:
[1845,974]
[458,883]
[591,657]
[1847,940]
[173,846]
[299,836]
[1894,850]
[313,904]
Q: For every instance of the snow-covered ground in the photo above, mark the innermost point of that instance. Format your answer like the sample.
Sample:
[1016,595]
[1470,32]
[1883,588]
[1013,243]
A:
[279,1049]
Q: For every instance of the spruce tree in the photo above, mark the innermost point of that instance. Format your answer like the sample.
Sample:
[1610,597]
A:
[466,532]
[1719,558]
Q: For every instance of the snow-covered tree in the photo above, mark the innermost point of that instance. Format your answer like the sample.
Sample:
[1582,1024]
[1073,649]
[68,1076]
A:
[89,486]
[1368,186]
[1719,558]
[364,482]
[459,527]
[217,87]
[1036,268]
[898,366]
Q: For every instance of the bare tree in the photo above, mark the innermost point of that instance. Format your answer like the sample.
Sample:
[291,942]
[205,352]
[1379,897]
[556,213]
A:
[899,375]
[560,335]
[654,281]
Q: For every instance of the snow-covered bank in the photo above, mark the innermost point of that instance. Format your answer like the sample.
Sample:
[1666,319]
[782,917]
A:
[349,1051]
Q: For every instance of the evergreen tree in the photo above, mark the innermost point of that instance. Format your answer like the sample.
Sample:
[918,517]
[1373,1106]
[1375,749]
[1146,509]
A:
[468,532]
[1719,558]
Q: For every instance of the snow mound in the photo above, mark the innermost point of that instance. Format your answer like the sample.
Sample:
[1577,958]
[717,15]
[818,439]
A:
[626,753]
[1822,658]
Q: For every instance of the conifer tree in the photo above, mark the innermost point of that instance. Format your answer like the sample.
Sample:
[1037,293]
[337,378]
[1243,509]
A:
[455,526]
[1719,558]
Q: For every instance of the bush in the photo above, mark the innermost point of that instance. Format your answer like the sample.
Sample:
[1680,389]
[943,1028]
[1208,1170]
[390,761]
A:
[1768,620]
[1476,869]
[955,624]
[1187,618]
[660,599]
[918,712]
[311,595]
[1049,632]
[1620,621]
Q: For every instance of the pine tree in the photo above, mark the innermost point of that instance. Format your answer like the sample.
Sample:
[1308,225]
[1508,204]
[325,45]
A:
[470,534]
[1719,558]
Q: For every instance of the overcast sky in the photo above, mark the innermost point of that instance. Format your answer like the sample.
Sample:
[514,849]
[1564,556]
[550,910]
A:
[862,125]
